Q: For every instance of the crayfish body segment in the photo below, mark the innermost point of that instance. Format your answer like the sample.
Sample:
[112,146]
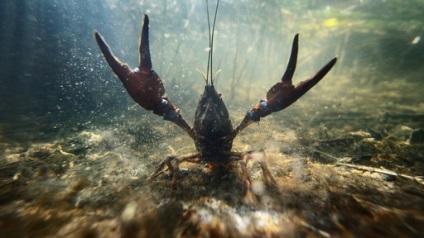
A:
[212,132]
[211,123]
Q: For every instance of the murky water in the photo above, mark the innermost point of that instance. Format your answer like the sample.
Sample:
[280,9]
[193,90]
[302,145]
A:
[76,150]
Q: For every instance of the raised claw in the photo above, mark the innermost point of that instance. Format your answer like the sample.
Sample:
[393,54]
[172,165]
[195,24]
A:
[284,93]
[142,83]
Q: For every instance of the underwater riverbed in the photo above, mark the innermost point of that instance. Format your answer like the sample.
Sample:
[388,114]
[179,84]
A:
[76,151]
[344,170]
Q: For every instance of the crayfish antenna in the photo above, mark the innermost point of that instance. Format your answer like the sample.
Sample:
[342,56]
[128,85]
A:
[216,74]
[211,36]
[203,75]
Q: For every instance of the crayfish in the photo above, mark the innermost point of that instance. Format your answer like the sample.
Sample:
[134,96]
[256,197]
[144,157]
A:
[212,131]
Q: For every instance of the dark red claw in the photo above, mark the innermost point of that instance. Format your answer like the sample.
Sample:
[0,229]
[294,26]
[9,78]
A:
[284,93]
[304,86]
[291,66]
[142,84]
[279,96]
[144,46]
[120,69]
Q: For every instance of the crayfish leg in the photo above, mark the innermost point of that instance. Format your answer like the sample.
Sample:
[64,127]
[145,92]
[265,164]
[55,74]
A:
[172,164]
[257,156]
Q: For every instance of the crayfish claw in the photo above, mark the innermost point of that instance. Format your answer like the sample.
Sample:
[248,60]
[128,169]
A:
[144,46]
[291,66]
[283,93]
[119,68]
[304,86]
[143,84]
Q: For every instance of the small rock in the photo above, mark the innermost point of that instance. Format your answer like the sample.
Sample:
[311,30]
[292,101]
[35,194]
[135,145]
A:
[377,134]
[362,158]
[417,136]
[360,134]
[401,132]
[129,212]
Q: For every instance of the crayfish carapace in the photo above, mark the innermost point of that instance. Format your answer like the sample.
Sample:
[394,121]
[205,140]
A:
[212,132]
